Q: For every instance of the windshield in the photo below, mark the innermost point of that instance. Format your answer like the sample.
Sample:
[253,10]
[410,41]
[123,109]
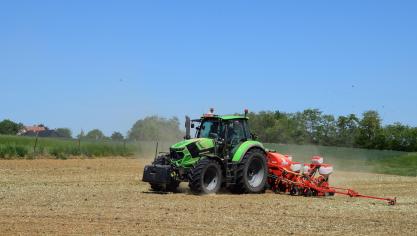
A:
[209,129]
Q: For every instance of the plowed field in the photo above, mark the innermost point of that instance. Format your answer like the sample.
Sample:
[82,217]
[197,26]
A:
[106,196]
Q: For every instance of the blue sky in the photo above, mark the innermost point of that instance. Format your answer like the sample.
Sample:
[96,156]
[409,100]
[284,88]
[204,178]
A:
[106,64]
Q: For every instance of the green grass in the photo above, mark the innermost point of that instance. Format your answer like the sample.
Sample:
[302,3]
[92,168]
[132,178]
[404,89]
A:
[12,147]
[402,165]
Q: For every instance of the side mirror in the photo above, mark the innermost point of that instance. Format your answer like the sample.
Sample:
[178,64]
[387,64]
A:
[192,126]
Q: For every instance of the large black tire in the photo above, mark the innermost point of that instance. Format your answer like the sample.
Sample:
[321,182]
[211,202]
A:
[205,177]
[170,187]
[252,173]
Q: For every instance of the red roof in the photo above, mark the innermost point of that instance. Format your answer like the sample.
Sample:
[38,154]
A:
[34,128]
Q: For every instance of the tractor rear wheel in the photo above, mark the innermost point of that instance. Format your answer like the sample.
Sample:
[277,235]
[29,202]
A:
[170,187]
[206,177]
[252,173]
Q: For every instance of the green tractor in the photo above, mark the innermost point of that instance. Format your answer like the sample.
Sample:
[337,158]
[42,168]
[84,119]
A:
[224,153]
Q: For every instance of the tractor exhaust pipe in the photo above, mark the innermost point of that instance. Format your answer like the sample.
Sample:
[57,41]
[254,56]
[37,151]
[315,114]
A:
[187,127]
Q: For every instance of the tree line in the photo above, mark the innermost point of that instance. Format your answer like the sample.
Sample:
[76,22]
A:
[312,126]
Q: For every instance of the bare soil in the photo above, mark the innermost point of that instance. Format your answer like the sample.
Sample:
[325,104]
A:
[106,196]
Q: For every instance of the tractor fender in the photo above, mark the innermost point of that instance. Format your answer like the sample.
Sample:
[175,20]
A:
[244,148]
[216,158]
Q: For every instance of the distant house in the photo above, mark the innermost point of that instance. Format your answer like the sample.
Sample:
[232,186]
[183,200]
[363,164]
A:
[34,129]
[38,130]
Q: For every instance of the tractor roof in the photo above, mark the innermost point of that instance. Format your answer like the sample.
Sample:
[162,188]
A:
[234,117]
[226,117]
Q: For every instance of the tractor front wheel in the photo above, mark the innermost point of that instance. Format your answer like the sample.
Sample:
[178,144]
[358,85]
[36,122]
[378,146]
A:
[205,177]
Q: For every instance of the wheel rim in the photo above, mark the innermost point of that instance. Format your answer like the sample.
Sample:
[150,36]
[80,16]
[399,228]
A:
[210,179]
[256,172]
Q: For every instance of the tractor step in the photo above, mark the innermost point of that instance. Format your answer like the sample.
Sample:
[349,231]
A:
[230,173]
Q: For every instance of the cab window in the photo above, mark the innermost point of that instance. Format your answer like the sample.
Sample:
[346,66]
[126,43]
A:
[209,129]
[236,132]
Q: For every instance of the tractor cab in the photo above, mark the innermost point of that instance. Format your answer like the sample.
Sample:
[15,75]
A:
[226,131]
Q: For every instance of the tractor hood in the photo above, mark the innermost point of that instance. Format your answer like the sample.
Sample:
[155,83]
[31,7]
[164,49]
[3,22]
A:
[201,143]
[188,152]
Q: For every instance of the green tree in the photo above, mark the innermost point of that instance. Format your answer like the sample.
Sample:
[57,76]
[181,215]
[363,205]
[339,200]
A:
[413,145]
[156,128]
[347,129]
[370,133]
[263,125]
[95,134]
[283,128]
[312,122]
[326,131]
[278,127]
[117,136]
[296,129]
[64,132]
[400,137]
[9,127]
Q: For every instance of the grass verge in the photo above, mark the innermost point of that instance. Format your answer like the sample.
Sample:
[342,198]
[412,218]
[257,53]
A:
[15,147]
